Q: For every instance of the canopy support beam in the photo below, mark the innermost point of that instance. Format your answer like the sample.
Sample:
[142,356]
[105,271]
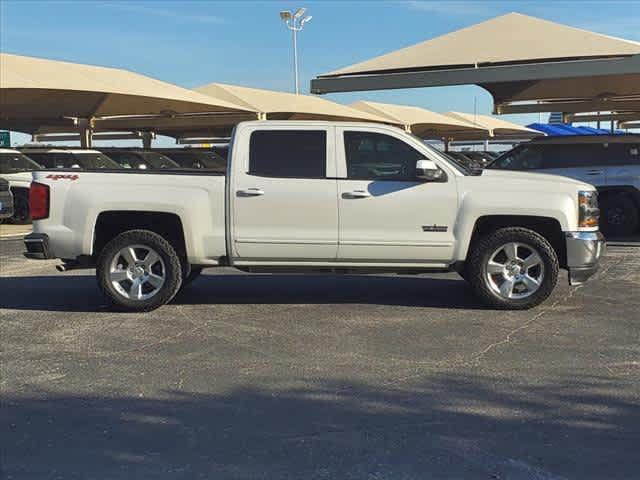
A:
[592,117]
[477,75]
[571,106]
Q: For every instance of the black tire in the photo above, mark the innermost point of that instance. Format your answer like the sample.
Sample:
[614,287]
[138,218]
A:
[619,215]
[170,260]
[478,261]
[21,212]
[194,272]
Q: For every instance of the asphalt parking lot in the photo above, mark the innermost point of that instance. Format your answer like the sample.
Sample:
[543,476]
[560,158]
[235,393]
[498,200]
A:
[255,376]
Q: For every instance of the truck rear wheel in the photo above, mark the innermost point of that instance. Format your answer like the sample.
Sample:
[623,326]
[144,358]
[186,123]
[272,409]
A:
[513,268]
[139,271]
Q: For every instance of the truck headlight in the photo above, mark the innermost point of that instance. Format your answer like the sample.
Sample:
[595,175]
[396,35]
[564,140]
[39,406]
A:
[588,211]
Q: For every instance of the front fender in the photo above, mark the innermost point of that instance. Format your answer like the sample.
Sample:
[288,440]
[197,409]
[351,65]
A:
[561,207]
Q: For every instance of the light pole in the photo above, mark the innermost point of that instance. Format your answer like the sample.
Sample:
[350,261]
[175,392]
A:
[295,22]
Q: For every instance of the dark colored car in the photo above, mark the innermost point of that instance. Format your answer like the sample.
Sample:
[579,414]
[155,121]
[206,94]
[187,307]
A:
[140,159]
[51,158]
[196,158]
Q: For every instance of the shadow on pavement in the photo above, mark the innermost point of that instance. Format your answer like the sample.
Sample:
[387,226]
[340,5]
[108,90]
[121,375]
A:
[469,427]
[80,293]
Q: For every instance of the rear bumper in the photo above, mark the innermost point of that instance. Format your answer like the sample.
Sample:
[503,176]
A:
[584,250]
[37,245]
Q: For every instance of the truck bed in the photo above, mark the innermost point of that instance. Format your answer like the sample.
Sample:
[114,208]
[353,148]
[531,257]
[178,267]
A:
[196,198]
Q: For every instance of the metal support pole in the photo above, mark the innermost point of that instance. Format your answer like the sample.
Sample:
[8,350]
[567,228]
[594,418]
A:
[146,140]
[85,130]
[295,59]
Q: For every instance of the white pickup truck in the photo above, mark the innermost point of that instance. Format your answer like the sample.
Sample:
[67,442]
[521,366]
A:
[303,196]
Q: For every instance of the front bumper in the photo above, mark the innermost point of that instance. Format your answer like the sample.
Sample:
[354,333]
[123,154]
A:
[37,245]
[584,250]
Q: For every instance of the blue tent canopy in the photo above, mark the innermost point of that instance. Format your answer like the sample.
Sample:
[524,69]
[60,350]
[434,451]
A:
[564,129]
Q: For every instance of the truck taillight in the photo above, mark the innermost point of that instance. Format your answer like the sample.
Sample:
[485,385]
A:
[39,201]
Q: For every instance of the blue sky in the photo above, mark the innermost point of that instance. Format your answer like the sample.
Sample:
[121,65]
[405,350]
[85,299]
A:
[191,43]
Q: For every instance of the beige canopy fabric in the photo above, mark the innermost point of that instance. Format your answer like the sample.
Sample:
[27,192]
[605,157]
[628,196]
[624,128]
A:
[39,89]
[259,103]
[422,122]
[274,105]
[498,128]
[516,58]
[506,39]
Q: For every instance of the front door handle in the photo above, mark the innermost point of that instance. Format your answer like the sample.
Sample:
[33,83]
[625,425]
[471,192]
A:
[250,192]
[356,194]
[595,172]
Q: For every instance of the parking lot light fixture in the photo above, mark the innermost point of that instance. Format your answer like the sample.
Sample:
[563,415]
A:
[295,22]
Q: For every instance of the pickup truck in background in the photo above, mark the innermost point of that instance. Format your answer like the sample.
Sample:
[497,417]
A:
[304,196]
[611,163]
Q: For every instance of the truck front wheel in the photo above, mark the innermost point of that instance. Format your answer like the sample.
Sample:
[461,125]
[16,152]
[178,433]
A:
[512,268]
[139,270]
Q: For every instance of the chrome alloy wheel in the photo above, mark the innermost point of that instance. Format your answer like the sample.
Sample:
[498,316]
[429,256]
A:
[515,271]
[137,272]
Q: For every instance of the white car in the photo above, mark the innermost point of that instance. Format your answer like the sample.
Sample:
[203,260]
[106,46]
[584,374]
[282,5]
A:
[16,168]
[307,196]
[609,162]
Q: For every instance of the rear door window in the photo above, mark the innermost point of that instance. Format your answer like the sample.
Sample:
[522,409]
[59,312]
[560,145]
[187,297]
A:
[288,153]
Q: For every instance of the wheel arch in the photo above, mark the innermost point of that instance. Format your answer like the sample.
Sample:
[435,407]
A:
[110,224]
[548,227]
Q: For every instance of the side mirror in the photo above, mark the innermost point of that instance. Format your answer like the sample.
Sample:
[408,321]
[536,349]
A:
[428,171]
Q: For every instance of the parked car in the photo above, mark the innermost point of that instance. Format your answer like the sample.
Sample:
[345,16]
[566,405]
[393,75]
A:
[140,159]
[196,158]
[319,205]
[462,158]
[609,162]
[54,158]
[6,200]
[16,168]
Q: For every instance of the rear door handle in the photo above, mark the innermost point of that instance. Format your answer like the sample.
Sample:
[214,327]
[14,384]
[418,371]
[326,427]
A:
[356,194]
[250,192]
[595,172]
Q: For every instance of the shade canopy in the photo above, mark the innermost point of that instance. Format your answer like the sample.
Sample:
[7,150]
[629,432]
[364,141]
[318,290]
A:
[38,91]
[498,128]
[422,122]
[258,104]
[275,105]
[516,58]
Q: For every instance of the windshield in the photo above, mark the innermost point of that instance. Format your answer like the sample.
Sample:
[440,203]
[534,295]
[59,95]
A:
[157,160]
[452,161]
[16,162]
[94,160]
